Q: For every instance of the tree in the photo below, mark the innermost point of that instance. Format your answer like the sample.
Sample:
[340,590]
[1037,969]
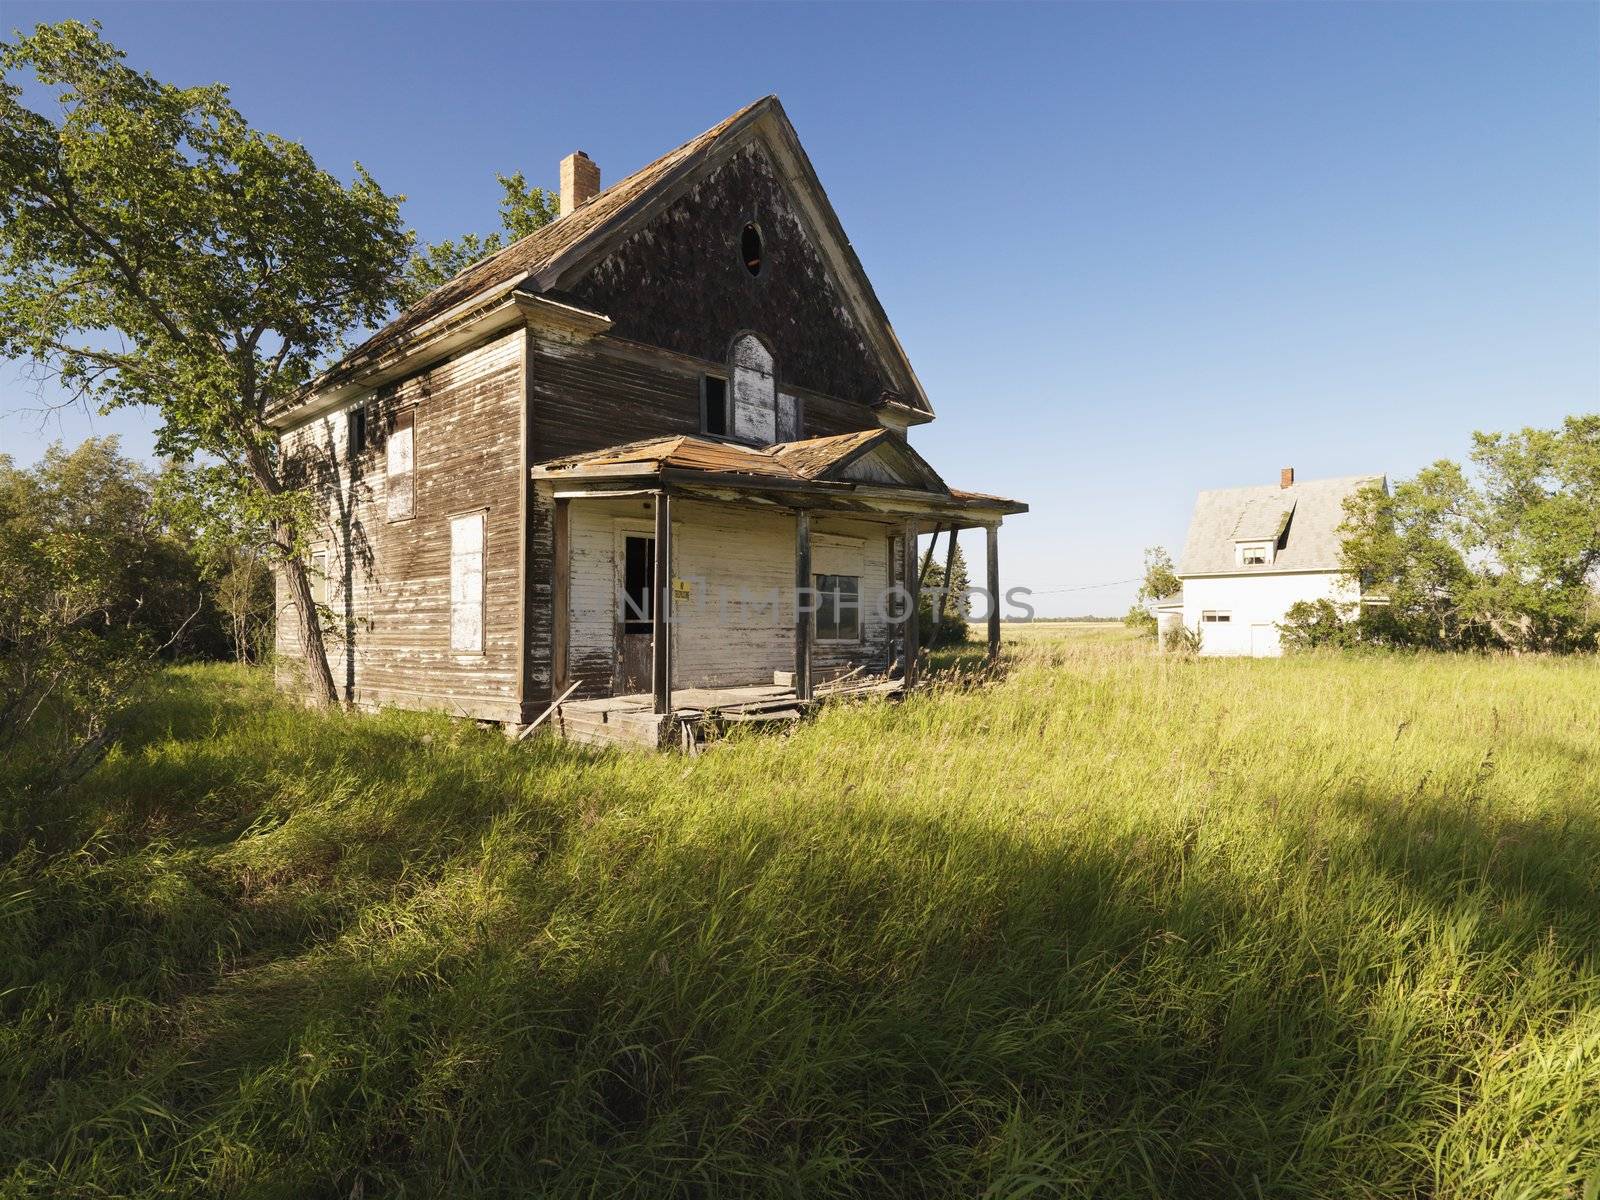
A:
[156,250]
[1506,562]
[522,210]
[957,605]
[1160,581]
[92,588]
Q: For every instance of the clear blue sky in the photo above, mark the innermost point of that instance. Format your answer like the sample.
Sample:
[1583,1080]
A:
[1133,250]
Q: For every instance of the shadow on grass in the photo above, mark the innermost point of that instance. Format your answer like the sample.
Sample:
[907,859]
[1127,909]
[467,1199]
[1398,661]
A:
[446,983]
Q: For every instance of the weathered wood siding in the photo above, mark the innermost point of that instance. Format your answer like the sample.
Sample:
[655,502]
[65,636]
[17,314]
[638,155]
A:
[390,580]
[680,282]
[737,624]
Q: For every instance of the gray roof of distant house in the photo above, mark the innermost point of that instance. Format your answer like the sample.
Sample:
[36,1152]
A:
[1313,511]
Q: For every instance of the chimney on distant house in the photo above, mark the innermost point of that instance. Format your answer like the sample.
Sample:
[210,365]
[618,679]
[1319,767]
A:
[1285,476]
[580,181]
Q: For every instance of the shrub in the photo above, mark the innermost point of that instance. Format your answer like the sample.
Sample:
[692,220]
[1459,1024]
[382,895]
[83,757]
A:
[1319,624]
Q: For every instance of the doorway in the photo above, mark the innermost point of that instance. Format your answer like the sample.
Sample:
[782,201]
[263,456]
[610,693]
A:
[635,612]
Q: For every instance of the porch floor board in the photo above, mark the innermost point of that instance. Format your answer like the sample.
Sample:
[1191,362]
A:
[630,720]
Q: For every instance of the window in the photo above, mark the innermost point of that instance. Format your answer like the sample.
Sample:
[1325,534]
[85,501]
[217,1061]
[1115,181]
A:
[838,608]
[750,249]
[358,431]
[638,580]
[753,417]
[714,405]
[401,467]
[1214,617]
[319,577]
[1254,556]
[466,584]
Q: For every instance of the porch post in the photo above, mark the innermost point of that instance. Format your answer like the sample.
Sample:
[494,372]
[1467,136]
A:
[660,600]
[802,617]
[994,591]
[560,587]
[913,594]
[944,592]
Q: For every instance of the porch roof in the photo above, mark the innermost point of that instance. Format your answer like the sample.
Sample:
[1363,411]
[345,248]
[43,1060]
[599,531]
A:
[810,473]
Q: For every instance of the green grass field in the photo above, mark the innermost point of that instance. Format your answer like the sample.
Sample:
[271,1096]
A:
[1112,926]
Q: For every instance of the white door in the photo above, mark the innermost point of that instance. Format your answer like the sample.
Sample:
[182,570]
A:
[1264,641]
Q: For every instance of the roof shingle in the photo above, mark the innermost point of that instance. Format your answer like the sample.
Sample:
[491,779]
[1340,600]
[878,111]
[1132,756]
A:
[1313,511]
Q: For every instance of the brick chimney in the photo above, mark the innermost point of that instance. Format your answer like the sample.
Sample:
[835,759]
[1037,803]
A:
[580,181]
[1285,476]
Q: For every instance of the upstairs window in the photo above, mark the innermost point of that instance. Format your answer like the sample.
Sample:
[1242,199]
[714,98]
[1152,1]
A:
[1213,616]
[1254,556]
[750,249]
[358,431]
[401,466]
[714,405]
[753,417]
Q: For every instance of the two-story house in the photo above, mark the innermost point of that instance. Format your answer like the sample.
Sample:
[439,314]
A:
[1253,552]
[657,447]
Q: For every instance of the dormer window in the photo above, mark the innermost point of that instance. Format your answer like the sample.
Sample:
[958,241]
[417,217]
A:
[1255,555]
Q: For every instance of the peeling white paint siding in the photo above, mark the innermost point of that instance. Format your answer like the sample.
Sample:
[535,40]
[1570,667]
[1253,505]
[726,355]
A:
[1255,605]
[733,570]
[393,633]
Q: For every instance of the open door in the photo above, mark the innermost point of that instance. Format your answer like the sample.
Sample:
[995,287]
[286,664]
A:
[636,608]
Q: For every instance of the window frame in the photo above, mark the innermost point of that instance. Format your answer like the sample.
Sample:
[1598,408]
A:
[821,590]
[356,439]
[706,377]
[1216,616]
[318,563]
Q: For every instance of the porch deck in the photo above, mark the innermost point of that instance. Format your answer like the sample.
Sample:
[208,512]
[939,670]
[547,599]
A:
[631,721]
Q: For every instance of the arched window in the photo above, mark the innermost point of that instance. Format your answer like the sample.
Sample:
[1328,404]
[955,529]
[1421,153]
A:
[755,399]
[750,249]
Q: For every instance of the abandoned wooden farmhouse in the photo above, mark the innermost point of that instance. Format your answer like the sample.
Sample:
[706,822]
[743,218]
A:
[650,461]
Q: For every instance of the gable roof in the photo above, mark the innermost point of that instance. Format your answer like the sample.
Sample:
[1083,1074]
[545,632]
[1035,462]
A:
[1304,517]
[541,262]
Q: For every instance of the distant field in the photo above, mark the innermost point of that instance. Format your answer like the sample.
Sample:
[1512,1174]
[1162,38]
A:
[1111,926]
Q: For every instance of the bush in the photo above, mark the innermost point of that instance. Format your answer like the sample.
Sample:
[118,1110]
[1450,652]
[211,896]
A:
[1318,625]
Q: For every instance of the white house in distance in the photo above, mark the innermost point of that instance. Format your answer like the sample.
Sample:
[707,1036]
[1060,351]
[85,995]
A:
[1254,551]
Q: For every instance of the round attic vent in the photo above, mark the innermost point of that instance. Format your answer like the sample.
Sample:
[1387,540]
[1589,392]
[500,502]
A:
[750,249]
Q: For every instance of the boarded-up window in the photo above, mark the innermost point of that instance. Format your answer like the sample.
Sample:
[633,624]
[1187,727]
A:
[755,402]
[466,584]
[319,577]
[402,467]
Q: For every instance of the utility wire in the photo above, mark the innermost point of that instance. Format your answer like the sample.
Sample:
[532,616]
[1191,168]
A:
[1088,587]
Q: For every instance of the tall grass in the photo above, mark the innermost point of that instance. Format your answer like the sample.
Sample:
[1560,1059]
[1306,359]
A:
[1111,926]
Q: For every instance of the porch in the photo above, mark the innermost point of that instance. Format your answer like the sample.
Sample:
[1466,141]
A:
[698,714]
[664,550]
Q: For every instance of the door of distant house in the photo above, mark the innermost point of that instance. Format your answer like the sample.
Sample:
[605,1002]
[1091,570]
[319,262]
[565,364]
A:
[1264,641]
[636,553]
